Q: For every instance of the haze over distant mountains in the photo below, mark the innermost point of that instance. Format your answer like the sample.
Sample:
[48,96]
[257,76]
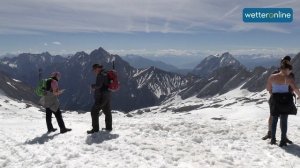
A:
[189,62]
[142,62]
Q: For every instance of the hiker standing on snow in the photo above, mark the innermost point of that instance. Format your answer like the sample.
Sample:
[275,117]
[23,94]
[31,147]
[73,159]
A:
[281,103]
[268,136]
[102,98]
[52,104]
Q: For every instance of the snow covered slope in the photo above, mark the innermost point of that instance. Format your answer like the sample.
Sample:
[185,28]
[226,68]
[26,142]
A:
[16,89]
[159,82]
[215,136]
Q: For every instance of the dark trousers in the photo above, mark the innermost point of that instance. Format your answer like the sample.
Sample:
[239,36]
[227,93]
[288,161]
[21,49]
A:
[101,103]
[283,123]
[58,117]
[270,122]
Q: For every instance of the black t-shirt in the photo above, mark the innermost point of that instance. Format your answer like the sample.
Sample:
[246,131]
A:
[101,85]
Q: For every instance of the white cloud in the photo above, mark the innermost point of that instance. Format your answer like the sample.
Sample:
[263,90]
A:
[183,53]
[264,51]
[277,52]
[56,43]
[157,53]
[166,16]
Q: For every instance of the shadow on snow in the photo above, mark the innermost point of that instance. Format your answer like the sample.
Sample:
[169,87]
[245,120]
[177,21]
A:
[293,149]
[41,139]
[100,137]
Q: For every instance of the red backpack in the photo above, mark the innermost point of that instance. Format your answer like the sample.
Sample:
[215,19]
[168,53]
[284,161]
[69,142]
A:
[113,82]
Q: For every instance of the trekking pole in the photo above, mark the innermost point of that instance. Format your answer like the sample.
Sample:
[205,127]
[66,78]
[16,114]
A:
[113,61]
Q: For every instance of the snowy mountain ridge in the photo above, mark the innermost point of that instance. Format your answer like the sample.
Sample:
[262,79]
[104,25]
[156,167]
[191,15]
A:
[139,87]
[16,89]
[159,82]
[238,96]
[212,63]
[137,90]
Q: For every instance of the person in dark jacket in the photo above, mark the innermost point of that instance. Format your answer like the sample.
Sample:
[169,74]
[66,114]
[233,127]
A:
[102,98]
[52,104]
[278,86]
[292,76]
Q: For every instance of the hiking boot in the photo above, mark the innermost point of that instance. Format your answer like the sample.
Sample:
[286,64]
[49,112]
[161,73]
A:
[92,131]
[288,141]
[273,141]
[268,136]
[282,143]
[52,130]
[107,129]
[62,131]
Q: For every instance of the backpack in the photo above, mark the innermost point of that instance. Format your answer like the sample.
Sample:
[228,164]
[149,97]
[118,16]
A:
[113,82]
[40,90]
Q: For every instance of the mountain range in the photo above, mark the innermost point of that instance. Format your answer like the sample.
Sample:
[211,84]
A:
[140,62]
[140,87]
[184,64]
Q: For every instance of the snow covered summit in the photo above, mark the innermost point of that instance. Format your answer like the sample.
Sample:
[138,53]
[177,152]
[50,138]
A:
[219,132]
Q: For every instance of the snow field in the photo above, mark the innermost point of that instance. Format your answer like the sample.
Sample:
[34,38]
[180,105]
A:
[210,137]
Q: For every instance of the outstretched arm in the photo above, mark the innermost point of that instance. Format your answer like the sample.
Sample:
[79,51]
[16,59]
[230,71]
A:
[294,87]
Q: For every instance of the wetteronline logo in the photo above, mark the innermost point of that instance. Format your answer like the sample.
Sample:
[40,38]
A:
[273,15]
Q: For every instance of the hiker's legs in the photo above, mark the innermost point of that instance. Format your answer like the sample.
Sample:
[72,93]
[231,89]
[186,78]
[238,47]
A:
[270,123]
[268,135]
[108,116]
[95,115]
[283,123]
[274,125]
[59,119]
[49,119]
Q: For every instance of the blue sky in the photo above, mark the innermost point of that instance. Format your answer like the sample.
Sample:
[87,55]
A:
[145,27]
